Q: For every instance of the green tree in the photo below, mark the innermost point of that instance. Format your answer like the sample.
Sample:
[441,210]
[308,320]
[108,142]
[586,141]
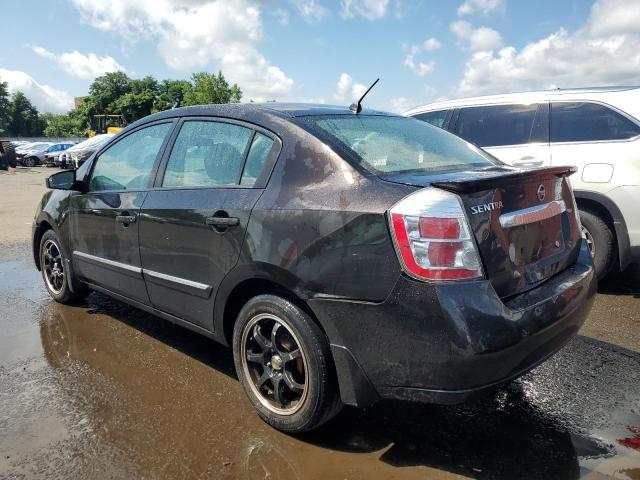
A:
[23,117]
[71,124]
[105,91]
[4,105]
[171,94]
[211,88]
[139,101]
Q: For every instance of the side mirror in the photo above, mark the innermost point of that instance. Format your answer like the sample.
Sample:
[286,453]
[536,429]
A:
[64,181]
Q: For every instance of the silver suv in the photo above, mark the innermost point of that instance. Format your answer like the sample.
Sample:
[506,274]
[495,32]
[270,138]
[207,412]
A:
[596,130]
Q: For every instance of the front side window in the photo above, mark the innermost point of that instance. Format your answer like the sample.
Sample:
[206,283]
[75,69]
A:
[128,164]
[207,154]
[584,122]
[499,125]
[397,144]
[436,118]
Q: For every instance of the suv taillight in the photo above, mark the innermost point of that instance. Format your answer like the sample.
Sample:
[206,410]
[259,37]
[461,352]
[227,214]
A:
[432,237]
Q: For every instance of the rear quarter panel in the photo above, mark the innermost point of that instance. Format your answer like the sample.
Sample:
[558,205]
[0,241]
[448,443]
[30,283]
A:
[321,224]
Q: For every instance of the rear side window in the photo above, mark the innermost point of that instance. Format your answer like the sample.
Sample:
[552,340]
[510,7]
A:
[128,163]
[584,122]
[207,154]
[397,144]
[501,125]
[436,118]
[258,154]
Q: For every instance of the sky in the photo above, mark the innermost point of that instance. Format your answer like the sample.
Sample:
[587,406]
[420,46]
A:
[324,51]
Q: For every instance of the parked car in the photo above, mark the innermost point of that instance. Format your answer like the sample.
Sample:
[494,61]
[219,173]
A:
[32,154]
[77,154]
[53,153]
[18,143]
[63,161]
[344,257]
[23,150]
[596,130]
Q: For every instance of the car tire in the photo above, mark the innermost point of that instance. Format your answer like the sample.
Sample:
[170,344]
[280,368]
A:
[54,271]
[295,361]
[600,240]
[30,162]
[7,156]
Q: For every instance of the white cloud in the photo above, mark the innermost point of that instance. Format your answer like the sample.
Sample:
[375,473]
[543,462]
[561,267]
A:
[369,9]
[79,65]
[347,90]
[614,17]
[421,68]
[310,10]
[483,7]
[476,39]
[44,97]
[431,44]
[282,16]
[606,50]
[196,34]
[401,104]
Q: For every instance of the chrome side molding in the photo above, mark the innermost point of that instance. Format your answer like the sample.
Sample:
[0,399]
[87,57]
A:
[103,262]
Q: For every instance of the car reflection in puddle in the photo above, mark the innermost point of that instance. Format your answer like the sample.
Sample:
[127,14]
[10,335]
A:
[170,399]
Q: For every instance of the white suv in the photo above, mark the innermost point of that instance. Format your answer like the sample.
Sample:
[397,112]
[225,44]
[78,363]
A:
[596,130]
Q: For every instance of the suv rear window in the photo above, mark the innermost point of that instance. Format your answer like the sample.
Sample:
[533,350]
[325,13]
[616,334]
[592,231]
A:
[585,122]
[435,118]
[501,125]
[397,144]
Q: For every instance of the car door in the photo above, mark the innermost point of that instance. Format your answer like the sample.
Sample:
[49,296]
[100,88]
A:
[596,139]
[104,219]
[517,134]
[193,223]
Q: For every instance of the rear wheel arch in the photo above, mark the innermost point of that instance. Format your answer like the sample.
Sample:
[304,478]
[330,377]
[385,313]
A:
[604,208]
[249,288]
[597,209]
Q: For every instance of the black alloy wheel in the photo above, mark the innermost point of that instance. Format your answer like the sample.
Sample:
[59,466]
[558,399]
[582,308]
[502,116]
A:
[284,364]
[54,271]
[53,268]
[275,364]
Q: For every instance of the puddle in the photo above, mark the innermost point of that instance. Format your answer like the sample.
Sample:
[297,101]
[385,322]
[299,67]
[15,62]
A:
[104,390]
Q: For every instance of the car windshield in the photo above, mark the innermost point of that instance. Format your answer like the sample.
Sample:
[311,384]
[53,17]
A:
[386,144]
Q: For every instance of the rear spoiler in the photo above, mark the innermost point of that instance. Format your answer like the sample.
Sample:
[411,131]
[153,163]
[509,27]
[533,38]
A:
[473,183]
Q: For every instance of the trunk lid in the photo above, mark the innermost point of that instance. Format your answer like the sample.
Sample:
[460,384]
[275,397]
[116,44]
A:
[523,221]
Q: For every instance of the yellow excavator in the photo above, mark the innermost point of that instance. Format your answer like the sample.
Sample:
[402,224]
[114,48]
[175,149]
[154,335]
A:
[106,124]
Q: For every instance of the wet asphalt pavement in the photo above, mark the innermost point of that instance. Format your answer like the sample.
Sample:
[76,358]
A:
[103,391]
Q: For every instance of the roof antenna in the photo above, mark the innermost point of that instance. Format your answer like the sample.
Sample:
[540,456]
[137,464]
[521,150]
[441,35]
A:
[357,107]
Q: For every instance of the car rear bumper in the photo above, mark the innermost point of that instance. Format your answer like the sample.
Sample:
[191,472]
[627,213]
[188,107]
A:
[444,343]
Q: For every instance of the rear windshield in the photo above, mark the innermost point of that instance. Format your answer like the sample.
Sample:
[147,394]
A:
[398,144]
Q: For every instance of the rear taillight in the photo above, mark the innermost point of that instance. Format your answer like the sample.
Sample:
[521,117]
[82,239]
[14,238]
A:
[432,237]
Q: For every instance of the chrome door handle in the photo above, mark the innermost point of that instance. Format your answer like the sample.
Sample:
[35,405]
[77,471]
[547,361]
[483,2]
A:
[126,219]
[223,221]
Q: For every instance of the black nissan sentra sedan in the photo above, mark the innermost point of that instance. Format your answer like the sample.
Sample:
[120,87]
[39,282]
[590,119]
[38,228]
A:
[345,257]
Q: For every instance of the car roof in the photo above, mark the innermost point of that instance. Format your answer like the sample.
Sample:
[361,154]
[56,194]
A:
[594,93]
[252,111]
